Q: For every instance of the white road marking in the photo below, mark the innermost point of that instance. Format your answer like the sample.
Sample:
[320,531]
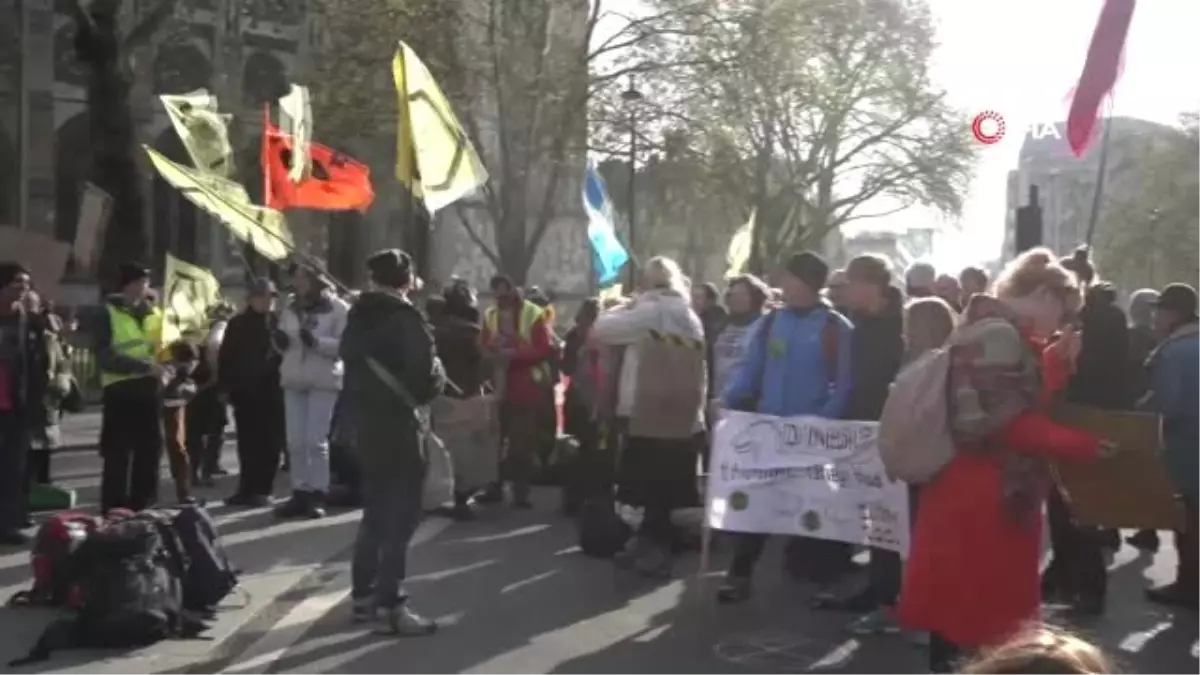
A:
[526,582]
[293,625]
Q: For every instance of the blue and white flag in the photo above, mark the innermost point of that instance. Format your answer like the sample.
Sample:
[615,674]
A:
[607,252]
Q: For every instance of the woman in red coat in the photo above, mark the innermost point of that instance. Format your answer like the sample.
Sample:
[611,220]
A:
[972,575]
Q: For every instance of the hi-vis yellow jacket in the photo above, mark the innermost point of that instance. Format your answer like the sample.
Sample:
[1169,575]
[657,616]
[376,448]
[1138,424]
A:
[132,338]
[529,372]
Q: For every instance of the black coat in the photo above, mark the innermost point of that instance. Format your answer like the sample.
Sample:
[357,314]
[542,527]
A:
[1101,378]
[457,341]
[391,332]
[29,360]
[877,352]
[248,361]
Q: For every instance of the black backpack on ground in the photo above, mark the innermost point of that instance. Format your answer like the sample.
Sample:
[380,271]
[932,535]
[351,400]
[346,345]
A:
[130,591]
[602,532]
[208,577]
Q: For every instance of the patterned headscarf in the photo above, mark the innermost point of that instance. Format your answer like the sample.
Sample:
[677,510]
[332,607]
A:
[994,377]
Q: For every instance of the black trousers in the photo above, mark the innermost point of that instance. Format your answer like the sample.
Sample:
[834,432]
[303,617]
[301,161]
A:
[131,444]
[885,568]
[205,432]
[14,453]
[37,470]
[943,654]
[1187,543]
[261,436]
[1077,570]
[818,560]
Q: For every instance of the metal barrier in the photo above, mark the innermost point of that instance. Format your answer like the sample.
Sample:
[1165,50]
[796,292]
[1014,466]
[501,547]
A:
[85,370]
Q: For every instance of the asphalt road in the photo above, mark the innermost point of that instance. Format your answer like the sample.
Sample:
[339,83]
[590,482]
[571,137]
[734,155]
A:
[514,595]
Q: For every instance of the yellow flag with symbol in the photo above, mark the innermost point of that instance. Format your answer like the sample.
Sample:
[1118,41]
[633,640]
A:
[264,229]
[434,157]
[190,292]
[203,130]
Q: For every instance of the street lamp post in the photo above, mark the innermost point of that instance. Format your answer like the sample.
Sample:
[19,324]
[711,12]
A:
[631,97]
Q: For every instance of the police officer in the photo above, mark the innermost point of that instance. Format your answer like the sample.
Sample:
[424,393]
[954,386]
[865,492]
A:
[131,441]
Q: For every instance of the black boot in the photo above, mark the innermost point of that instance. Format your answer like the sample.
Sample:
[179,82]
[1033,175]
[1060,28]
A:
[295,507]
[315,508]
[492,494]
[1145,540]
[462,510]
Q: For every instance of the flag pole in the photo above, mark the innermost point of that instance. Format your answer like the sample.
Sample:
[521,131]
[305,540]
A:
[1100,173]
[264,157]
[410,199]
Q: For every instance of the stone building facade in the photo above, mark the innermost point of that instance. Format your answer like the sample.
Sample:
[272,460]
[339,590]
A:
[245,51]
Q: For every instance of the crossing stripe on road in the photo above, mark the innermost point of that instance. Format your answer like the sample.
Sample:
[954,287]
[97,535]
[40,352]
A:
[290,629]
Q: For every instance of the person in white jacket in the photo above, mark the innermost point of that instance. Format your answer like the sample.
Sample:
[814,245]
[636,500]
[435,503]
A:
[658,474]
[310,327]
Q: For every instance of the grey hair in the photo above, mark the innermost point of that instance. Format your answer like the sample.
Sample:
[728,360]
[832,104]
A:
[663,272]
[1141,307]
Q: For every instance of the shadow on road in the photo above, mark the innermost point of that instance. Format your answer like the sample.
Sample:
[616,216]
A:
[515,595]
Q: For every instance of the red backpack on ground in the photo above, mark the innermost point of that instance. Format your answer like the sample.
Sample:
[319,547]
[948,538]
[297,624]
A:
[54,579]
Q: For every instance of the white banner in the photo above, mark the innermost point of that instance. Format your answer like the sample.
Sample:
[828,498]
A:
[805,476]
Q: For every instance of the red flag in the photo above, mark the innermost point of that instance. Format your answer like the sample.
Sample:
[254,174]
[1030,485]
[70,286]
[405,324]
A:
[1100,71]
[336,182]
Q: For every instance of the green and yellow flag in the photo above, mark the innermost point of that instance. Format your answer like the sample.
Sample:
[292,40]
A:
[264,229]
[190,292]
[296,121]
[434,156]
[739,247]
[203,130]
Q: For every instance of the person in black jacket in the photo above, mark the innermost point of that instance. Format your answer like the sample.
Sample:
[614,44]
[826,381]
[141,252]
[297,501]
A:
[877,347]
[23,380]
[1142,341]
[392,373]
[248,373]
[1077,573]
[455,320]
[456,329]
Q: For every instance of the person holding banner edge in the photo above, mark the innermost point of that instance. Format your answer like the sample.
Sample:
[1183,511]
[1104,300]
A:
[798,362]
[877,353]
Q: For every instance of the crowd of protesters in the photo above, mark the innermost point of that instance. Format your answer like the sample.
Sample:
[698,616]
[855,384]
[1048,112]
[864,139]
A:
[335,389]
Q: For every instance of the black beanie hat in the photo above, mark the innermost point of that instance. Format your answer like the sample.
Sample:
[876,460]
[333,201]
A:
[9,271]
[130,272]
[391,267]
[809,268]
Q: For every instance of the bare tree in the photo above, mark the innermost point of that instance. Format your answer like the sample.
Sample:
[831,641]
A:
[1147,233]
[819,113]
[534,66]
[519,74]
[107,54]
